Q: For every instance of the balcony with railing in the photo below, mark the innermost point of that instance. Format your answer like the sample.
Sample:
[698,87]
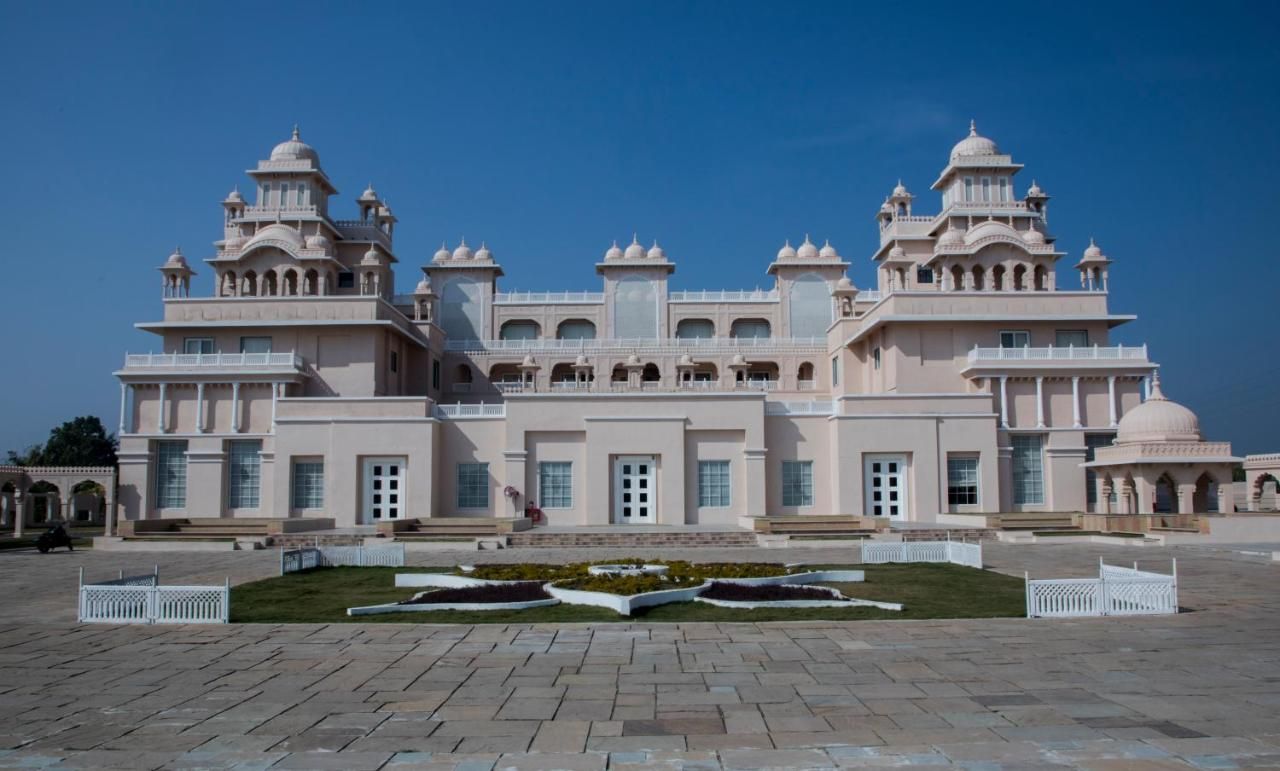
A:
[201,364]
[723,296]
[667,345]
[548,298]
[472,411]
[1087,357]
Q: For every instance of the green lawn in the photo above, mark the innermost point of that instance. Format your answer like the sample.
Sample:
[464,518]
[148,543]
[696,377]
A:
[926,590]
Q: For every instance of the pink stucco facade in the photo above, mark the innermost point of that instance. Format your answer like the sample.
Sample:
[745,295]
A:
[978,375]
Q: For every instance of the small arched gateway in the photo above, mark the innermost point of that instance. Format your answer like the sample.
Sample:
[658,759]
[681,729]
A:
[1161,463]
[31,495]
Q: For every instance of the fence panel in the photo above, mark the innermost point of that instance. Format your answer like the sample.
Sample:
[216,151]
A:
[293,560]
[115,604]
[391,556]
[876,553]
[1140,596]
[1064,597]
[1117,591]
[968,554]
[925,551]
[191,605]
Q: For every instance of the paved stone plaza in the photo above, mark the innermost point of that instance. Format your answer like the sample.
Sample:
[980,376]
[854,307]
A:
[1201,689]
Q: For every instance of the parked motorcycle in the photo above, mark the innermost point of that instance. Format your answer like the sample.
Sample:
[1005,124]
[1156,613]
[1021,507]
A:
[53,538]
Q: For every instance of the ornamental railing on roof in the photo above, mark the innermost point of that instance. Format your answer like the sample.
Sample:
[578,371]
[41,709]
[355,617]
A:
[675,344]
[284,211]
[723,296]
[1054,353]
[357,230]
[212,360]
[459,410]
[530,298]
[824,407]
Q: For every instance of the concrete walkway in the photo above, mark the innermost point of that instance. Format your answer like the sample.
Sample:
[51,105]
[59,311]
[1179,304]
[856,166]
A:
[1194,690]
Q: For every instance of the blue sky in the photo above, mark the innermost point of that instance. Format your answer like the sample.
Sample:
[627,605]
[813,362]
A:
[721,128]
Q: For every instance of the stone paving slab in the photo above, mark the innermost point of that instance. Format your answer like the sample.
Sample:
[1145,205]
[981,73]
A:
[1196,690]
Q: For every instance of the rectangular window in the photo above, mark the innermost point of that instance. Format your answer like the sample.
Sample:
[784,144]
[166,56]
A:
[797,483]
[435,374]
[1028,468]
[1091,443]
[308,484]
[1072,337]
[473,485]
[197,345]
[346,280]
[171,475]
[255,345]
[395,362]
[1004,189]
[265,198]
[1014,338]
[924,275]
[962,481]
[244,474]
[968,189]
[555,484]
[986,188]
[302,191]
[835,370]
[875,357]
[713,483]
[284,194]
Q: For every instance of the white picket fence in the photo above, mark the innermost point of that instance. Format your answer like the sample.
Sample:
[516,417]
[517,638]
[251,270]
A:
[308,557]
[1117,591]
[879,552]
[141,600]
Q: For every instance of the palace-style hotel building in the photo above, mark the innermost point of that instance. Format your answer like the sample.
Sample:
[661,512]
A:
[973,377]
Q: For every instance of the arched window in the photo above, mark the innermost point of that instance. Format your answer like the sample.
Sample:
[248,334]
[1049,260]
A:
[997,278]
[290,282]
[249,285]
[576,329]
[1019,277]
[750,328]
[269,286]
[957,278]
[650,373]
[1040,276]
[635,309]
[805,375]
[519,330]
[695,329]
[460,309]
[979,278]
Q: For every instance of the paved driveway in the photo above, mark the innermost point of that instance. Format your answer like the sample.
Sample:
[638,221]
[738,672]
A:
[1197,689]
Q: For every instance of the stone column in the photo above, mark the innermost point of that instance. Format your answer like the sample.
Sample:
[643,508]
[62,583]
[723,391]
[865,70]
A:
[19,512]
[1075,402]
[1127,493]
[124,400]
[1186,498]
[1111,399]
[235,407]
[200,423]
[1004,401]
[160,416]
[1103,493]
[68,503]
[1039,402]
[109,526]
[1225,503]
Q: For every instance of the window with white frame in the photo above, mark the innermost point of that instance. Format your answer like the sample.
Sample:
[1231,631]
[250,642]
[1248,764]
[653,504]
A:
[255,345]
[875,357]
[308,484]
[986,189]
[265,198]
[197,345]
[473,485]
[1014,338]
[1004,189]
[555,484]
[1072,337]
[244,473]
[302,192]
[284,194]
[797,483]
[171,474]
[835,370]
[962,480]
[1028,468]
[968,189]
[713,483]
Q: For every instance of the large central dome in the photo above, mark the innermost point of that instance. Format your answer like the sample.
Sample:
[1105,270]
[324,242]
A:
[974,144]
[1158,420]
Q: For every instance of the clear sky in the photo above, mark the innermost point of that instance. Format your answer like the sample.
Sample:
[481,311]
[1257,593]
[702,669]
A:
[550,129]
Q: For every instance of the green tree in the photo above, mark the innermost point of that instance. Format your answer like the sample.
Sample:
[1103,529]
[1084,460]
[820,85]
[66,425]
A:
[80,442]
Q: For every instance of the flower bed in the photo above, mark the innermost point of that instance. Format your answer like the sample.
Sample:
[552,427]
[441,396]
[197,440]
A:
[728,590]
[485,596]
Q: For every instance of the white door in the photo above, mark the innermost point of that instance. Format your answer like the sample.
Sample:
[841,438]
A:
[383,489]
[634,496]
[886,484]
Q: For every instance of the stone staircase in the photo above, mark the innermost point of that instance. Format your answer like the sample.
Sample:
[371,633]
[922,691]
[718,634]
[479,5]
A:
[969,534]
[690,539]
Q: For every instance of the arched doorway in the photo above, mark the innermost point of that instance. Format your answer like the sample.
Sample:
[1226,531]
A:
[1166,495]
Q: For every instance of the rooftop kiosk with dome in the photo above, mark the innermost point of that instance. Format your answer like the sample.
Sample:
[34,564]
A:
[966,379]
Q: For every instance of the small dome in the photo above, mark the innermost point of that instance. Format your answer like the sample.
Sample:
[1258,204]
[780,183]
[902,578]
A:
[633,359]
[655,252]
[1033,236]
[900,190]
[1034,191]
[581,361]
[234,197]
[738,359]
[828,251]
[372,257]
[1093,252]
[294,149]
[442,253]
[989,227]
[278,231]
[686,360]
[886,207]
[528,361]
[974,144]
[483,253]
[951,236]
[807,250]
[423,287]
[634,250]
[369,194]
[463,252]
[845,283]
[1158,420]
[176,260]
[233,243]
[787,252]
[613,253]
[317,241]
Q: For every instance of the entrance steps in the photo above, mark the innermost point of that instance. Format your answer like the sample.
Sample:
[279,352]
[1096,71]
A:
[623,538]
[949,534]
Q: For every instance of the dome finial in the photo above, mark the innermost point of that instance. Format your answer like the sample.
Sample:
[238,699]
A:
[297,136]
[973,127]
[1156,393]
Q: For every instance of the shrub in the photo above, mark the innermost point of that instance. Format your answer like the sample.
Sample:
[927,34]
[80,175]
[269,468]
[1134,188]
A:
[526,591]
[628,585]
[748,593]
[526,571]
[726,569]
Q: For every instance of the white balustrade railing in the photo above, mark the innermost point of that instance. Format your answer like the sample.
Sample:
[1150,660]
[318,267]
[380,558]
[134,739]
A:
[756,385]
[471,410]
[868,296]
[1117,591]
[674,344]
[545,298]
[723,296]
[309,557]
[152,604]
[1061,353]
[806,385]
[212,360]
[800,408]
[955,552]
